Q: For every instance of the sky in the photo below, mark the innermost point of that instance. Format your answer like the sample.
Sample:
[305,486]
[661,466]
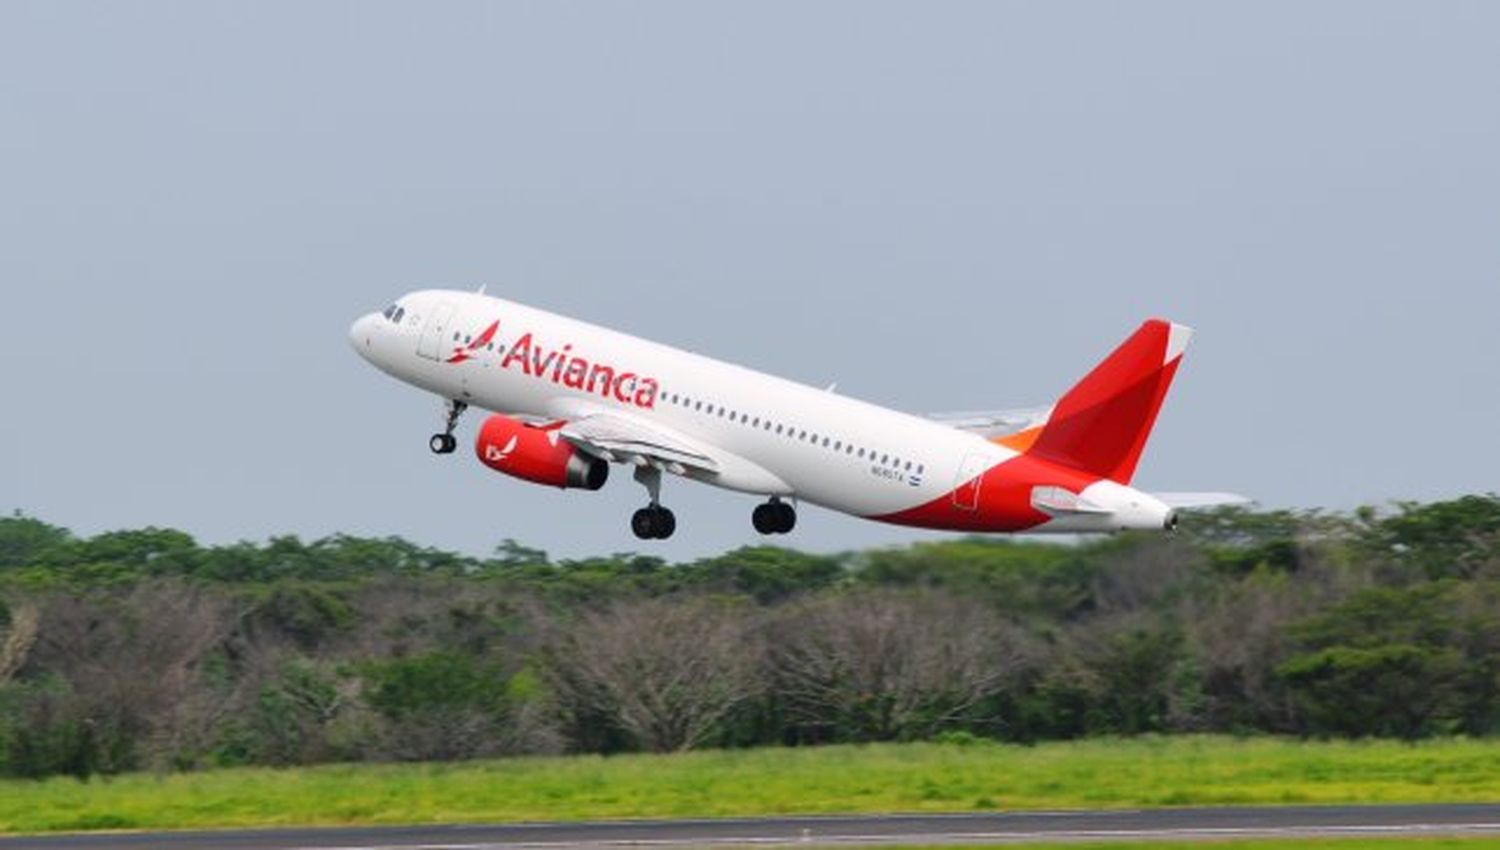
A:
[939,205]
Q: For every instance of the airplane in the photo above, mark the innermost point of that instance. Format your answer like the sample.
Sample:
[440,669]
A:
[568,399]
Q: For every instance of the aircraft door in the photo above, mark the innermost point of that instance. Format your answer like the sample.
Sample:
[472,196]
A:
[970,476]
[430,345]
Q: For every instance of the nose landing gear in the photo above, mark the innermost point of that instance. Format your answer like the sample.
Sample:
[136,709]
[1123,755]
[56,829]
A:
[774,517]
[445,443]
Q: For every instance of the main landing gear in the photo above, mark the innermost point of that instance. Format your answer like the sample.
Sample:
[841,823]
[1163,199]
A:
[652,522]
[774,517]
[445,443]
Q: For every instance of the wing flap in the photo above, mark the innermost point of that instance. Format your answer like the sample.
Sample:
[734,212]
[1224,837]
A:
[621,438]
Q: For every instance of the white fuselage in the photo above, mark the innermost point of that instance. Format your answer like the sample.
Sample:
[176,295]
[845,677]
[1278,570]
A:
[876,460]
[767,435]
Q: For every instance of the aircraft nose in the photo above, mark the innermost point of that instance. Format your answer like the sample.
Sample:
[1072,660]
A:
[362,333]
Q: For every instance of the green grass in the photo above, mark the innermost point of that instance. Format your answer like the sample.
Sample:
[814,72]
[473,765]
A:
[1170,771]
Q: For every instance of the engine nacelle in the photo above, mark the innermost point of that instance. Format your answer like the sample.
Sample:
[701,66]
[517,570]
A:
[538,455]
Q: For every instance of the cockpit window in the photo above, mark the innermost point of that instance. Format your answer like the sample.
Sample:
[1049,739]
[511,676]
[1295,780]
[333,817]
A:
[400,312]
[389,311]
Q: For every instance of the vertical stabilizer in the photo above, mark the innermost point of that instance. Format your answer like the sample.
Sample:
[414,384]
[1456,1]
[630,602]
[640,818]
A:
[1100,426]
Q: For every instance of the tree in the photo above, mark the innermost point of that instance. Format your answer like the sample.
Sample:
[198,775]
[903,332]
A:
[1458,538]
[1120,674]
[767,573]
[439,705]
[125,670]
[1383,662]
[880,664]
[666,671]
[24,539]
[17,635]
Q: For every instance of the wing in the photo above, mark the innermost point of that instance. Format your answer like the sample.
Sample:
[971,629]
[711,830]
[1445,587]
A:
[623,439]
[995,423]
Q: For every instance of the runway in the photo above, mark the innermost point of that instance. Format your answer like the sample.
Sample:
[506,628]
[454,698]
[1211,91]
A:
[981,828]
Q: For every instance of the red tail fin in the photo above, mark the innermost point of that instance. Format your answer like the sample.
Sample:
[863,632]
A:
[1101,425]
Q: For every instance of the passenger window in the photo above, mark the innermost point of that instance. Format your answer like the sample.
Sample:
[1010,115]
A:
[838,445]
[778,429]
[908,466]
[861,452]
[455,336]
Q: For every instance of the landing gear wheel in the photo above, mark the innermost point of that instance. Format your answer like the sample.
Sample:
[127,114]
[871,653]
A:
[774,517]
[786,518]
[653,523]
[643,524]
[666,523]
[764,518]
[442,444]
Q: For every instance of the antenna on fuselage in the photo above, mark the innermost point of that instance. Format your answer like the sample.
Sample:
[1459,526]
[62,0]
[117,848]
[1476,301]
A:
[480,290]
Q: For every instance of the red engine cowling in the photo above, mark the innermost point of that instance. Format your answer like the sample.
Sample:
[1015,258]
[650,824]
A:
[536,454]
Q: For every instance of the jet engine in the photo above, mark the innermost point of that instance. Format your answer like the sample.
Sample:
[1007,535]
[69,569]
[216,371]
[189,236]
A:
[537,454]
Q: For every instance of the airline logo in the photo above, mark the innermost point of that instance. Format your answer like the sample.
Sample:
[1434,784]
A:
[552,431]
[565,367]
[499,455]
[466,352]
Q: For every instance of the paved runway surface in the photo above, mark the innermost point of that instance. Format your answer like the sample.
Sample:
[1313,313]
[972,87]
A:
[986,828]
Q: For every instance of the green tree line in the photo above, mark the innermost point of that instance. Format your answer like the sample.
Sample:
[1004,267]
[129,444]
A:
[144,649]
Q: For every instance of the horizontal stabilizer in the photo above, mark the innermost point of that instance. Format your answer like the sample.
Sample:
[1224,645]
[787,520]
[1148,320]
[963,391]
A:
[1187,501]
[991,424]
[1060,500]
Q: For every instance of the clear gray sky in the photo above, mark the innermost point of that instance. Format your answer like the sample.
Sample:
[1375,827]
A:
[939,205]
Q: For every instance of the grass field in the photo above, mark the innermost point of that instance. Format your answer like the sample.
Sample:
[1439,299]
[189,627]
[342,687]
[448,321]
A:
[1169,771]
